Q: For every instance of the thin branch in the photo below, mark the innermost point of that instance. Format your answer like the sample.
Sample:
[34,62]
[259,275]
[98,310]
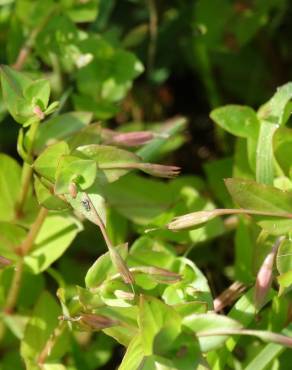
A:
[153,21]
[48,347]
[23,251]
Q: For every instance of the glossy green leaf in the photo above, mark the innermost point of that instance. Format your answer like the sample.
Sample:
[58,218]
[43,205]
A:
[11,237]
[46,164]
[134,354]
[55,236]
[60,127]
[10,174]
[264,153]
[155,315]
[13,85]
[251,195]
[200,323]
[275,109]
[284,257]
[46,198]
[138,199]
[74,169]
[239,120]
[38,92]
[112,162]
[285,282]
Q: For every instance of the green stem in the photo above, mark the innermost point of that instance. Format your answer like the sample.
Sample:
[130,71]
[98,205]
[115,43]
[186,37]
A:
[27,47]
[27,171]
[24,250]
[51,343]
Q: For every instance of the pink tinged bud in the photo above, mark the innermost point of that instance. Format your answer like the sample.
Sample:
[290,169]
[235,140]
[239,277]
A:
[97,322]
[265,275]
[121,266]
[38,112]
[4,262]
[191,220]
[228,296]
[121,294]
[135,138]
[72,188]
[162,276]
[159,170]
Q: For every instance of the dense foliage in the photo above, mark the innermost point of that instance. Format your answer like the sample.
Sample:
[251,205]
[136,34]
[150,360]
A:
[108,258]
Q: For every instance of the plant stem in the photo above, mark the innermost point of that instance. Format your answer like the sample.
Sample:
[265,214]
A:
[46,351]
[24,250]
[27,171]
[27,47]
[153,20]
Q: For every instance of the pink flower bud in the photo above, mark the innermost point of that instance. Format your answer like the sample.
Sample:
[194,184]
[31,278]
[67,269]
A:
[265,275]
[38,112]
[191,220]
[121,266]
[132,138]
[159,170]
[97,322]
[4,262]
[73,190]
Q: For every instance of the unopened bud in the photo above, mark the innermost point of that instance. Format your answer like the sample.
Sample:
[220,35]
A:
[72,188]
[159,170]
[97,322]
[135,138]
[265,275]
[191,220]
[161,275]
[121,294]
[38,112]
[121,266]
[4,262]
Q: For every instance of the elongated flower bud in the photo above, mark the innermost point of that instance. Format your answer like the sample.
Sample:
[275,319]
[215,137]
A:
[130,139]
[158,170]
[191,219]
[161,275]
[121,266]
[121,294]
[265,275]
[4,262]
[97,322]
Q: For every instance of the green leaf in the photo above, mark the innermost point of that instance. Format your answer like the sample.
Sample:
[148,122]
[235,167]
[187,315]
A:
[10,189]
[54,238]
[270,352]
[200,323]
[11,237]
[239,120]
[134,354]
[38,93]
[138,199]
[13,85]
[97,200]
[264,153]
[285,282]
[251,195]
[155,315]
[46,198]
[284,257]
[169,130]
[39,328]
[10,174]
[103,268]
[275,109]
[46,164]
[112,162]
[60,128]
[74,169]
[193,286]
